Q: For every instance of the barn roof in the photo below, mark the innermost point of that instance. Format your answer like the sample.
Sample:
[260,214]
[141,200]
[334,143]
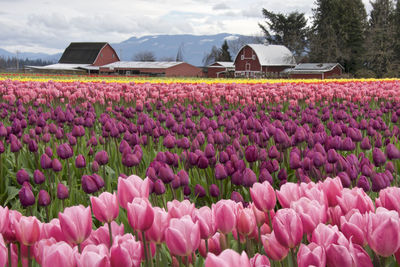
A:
[305,68]
[272,55]
[81,53]
[142,64]
[224,64]
[60,66]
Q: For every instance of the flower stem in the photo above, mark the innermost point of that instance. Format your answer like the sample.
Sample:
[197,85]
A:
[145,248]
[110,233]
[9,255]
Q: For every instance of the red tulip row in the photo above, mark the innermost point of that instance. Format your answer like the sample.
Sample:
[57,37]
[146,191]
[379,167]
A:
[250,94]
[315,224]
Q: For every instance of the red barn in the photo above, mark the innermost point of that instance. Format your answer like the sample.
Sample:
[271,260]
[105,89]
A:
[150,68]
[221,69]
[258,60]
[82,58]
[315,71]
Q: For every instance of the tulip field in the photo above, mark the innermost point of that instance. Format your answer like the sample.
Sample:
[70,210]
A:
[108,171]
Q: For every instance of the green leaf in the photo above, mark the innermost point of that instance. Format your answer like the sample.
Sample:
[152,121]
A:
[12,192]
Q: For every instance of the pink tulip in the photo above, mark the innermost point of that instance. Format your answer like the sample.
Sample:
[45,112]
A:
[354,226]
[9,231]
[140,214]
[130,188]
[389,198]
[314,193]
[4,218]
[177,209]
[105,207]
[102,235]
[355,198]
[273,248]
[311,255]
[259,261]
[206,221]
[359,255]
[59,254]
[384,232]
[3,252]
[324,235]
[224,215]
[311,213]
[246,222]
[338,255]
[38,248]
[333,189]
[263,196]
[27,230]
[258,214]
[94,256]
[228,258]
[334,214]
[182,236]
[126,251]
[76,223]
[52,229]
[288,193]
[215,245]
[156,233]
[288,228]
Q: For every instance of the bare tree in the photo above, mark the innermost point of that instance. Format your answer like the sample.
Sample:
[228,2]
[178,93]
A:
[179,54]
[144,56]
[235,44]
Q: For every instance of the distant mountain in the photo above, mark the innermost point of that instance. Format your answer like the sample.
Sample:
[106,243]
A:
[164,47]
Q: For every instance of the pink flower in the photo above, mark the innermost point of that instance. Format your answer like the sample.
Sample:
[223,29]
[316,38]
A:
[59,254]
[288,193]
[52,229]
[182,236]
[105,207]
[94,256]
[132,187]
[333,189]
[246,222]
[288,228]
[225,215]
[311,255]
[263,196]
[215,245]
[126,251]
[177,209]
[228,258]
[76,223]
[389,198]
[38,248]
[27,230]
[384,232]
[259,261]
[3,252]
[354,225]
[273,248]
[355,198]
[324,235]
[102,235]
[4,218]
[156,233]
[140,214]
[206,221]
[311,213]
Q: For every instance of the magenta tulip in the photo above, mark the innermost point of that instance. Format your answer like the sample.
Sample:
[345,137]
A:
[76,223]
[130,188]
[311,213]
[140,214]
[228,257]
[156,233]
[263,196]
[311,255]
[259,261]
[273,248]
[224,215]
[205,218]
[182,236]
[27,230]
[288,228]
[126,251]
[60,254]
[105,207]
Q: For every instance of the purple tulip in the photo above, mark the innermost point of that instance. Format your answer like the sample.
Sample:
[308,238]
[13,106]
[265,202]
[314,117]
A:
[363,183]
[101,157]
[251,154]
[38,177]
[64,151]
[56,165]
[199,191]
[365,144]
[294,161]
[26,196]
[92,183]
[249,177]
[183,177]
[166,174]
[44,198]
[202,162]
[220,172]
[378,157]
[159,187]
[392,152]
[22,177]
[237,197]
[80,161]
[209,151]
[95,166]
[214,190]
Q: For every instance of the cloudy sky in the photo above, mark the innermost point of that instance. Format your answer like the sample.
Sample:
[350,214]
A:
[50,25]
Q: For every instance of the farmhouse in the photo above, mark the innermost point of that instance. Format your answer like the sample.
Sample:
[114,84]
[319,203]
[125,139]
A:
[258,60]
[314,71]
[156,68]
[82,58]
[221,69]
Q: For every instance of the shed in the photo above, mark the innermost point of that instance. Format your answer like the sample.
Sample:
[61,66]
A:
[315,71]
[221,69]
[258,60]
[150,68]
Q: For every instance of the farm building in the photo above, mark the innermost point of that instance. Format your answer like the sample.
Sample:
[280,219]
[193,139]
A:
[150,68]
[258,60]
[82,58]
[221,69]
[314,71]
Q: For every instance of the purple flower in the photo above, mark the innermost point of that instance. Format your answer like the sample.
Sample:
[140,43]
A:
[199,191]
[378,157]
[220,172]
[101,157]
[64,151]
[80,161]
[26,196]
[392,152]
[43,198]
[214,190]
[38,177]
[251,154]
[22,176]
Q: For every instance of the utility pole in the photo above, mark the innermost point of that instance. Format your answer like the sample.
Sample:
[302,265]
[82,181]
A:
[17,59]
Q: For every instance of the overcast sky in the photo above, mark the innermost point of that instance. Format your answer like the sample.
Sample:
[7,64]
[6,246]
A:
[50,25]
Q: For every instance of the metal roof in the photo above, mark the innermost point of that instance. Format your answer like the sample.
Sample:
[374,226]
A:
[272,55]
[223,64]
[313,67]
[81,53]
[142,65]
[60,66]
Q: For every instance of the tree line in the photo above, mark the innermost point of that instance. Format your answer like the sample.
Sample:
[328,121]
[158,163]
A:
[18,63]
[341,31]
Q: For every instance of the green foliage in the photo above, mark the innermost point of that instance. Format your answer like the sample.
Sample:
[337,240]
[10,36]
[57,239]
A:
[290,30]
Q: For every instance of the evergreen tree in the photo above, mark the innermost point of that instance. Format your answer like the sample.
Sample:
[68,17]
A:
[380,41]
[225,55]
[396,19]
[179,54]
[289,30]
[217,54]
[338,33]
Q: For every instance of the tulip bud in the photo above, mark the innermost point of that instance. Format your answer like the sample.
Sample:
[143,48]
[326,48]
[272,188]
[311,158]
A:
[251,154]
[44,198]
[101,157]
[392,152]
[26,196]
[56,165]
[214,190]
[22,176]
[378,157]
[159,187]
[80,161]
[249,177]
[95,166]
[62,191]
[199,191]
[220,172]
[64,151]
[38,177]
